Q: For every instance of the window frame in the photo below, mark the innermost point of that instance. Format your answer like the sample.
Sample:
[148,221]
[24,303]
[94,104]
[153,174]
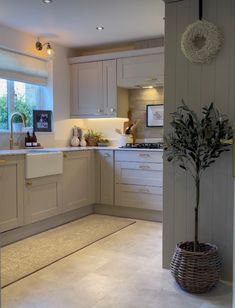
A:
[41,96]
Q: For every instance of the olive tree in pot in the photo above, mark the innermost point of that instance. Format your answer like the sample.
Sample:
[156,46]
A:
[195,143]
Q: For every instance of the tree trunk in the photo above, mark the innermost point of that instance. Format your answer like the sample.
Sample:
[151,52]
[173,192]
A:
[196,212]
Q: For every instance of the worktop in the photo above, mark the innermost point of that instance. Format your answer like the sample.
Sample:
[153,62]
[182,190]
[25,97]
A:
[71,149]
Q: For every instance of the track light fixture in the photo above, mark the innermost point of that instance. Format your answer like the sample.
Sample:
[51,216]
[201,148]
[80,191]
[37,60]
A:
[39,46]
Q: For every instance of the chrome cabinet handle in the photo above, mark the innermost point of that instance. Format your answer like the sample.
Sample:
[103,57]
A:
[100,110]
[144,167]
[112,110]
[107,155]
[143,190]
[144,155]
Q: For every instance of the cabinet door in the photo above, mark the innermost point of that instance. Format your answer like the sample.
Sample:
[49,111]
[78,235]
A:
[143,197]
[87,89]
[43,198]
[105,177]
[11,193]
[134,71]
[110,87]
[77,180]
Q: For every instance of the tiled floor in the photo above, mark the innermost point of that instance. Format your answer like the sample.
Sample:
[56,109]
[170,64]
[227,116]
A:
[121,271]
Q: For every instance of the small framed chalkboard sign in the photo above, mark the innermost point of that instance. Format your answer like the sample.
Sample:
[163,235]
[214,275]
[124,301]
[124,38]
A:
[154,115]
[42,120]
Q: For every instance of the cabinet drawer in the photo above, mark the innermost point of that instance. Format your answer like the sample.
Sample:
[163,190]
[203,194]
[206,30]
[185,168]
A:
[139,156]
[139,173]
[139,197]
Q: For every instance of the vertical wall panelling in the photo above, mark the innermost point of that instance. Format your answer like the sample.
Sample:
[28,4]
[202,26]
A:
[169,96]
[199,85]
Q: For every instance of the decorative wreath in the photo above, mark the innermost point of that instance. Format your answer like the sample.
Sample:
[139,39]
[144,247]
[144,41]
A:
[201,41]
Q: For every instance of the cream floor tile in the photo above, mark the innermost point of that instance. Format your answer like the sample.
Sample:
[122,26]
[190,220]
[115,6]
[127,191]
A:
[121,271]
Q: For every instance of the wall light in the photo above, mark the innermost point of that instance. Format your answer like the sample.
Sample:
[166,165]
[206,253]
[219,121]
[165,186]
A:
[39,46]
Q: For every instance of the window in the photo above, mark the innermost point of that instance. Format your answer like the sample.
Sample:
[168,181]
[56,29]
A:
[22,97]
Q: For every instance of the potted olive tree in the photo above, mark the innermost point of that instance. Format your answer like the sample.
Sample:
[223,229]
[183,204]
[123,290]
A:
[195,143]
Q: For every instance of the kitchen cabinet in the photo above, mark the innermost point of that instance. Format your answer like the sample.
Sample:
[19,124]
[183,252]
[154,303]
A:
[105,177]
[11,192]
[87,89]
[141,70]
[43,198]
[94,90]
[78,186]
[138,179]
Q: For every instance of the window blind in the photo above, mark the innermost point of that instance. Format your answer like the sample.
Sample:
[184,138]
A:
[24,68]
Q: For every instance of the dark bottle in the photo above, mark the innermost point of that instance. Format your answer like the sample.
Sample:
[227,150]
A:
[28,142]
[34,140]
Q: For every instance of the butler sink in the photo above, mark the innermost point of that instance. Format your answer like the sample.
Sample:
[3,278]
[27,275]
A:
[43,163]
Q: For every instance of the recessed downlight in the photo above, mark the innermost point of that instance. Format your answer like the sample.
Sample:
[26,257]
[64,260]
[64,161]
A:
[47,1]
[99,28]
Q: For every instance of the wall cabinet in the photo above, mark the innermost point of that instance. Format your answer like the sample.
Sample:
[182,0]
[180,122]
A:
[104,177]
[43,198]
[94,90]
[138,179]
[140,70]
[11,192]
[78,187]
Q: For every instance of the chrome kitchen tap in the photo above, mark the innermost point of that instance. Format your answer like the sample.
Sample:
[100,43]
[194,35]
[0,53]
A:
[11,129]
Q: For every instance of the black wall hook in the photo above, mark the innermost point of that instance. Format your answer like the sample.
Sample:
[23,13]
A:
[200,9]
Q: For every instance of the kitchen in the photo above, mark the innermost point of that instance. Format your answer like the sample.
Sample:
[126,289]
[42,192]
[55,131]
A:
[84,89]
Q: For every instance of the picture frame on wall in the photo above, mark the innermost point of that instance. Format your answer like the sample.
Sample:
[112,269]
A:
[42,120]
[154,115]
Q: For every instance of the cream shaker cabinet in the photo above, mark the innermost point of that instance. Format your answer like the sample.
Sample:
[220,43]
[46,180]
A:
[11,192]
[78,186]
[94,91]
[104,166]
[87,89]
[138,179]
[141,70]
[43,198]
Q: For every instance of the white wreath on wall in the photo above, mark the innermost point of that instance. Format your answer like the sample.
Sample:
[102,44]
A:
[201,41]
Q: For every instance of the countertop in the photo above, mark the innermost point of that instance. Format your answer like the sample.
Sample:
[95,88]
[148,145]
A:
[70,149]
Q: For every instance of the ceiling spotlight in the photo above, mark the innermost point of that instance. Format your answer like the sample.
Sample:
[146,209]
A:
[47,1]
[99,28]
[39,46]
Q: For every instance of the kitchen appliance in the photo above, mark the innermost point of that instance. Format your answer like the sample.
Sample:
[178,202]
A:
[144,145]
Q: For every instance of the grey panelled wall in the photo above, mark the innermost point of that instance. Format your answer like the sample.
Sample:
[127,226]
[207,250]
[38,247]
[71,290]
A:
[199,85]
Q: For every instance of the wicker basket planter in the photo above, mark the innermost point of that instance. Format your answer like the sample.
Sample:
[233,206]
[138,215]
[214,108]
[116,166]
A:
[92,141]
[196,272]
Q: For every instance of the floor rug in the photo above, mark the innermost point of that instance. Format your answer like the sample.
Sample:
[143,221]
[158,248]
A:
[27,256]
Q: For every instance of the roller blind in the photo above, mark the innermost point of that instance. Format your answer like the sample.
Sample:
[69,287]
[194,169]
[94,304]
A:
[24,68]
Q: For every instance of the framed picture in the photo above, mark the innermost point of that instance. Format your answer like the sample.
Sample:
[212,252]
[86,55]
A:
[42,120]
[154,115]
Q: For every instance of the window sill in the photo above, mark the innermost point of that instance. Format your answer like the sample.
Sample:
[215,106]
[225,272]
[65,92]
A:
[24,132]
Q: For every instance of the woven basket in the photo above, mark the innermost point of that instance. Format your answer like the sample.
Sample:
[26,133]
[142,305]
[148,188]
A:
[92,141]
[196,272]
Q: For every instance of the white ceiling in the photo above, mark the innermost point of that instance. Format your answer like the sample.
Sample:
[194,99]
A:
[73,22]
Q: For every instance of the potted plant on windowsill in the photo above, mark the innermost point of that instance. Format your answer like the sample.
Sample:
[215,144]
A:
[195,144]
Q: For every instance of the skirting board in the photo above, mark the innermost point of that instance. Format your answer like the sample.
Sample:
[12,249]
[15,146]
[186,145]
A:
[40,226]
[128,212]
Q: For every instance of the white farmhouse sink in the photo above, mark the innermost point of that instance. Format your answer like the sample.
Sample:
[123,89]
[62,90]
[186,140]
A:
[38,164]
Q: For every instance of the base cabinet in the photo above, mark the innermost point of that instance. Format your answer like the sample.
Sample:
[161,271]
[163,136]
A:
[77,180]
[138,179]
[105,177]
[43,198]
[11,192]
